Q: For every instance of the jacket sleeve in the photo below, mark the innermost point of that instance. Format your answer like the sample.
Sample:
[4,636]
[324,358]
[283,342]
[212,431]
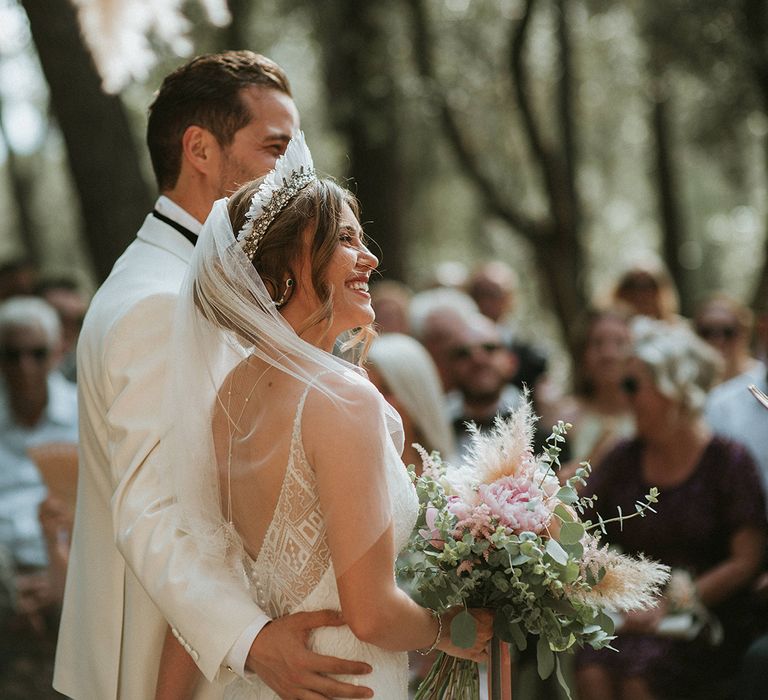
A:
[208,608]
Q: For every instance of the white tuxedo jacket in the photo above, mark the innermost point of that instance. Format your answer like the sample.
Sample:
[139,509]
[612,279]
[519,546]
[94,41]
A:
[111,633]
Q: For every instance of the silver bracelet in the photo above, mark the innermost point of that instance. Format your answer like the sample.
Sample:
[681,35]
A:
[438,617]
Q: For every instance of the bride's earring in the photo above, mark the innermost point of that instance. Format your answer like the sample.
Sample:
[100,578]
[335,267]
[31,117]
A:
[288,287]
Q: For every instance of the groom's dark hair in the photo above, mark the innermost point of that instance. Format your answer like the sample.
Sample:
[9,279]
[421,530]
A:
[205,92]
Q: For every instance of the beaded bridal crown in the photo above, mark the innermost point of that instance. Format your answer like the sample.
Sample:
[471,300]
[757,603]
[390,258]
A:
[294,170]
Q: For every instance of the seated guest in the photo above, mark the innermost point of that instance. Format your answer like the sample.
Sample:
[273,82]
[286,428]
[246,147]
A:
[494,287]
[405,374]
[434,314]
[709,526]
[599,408]
[727,326]
[648,290]
[38,406]
[18,276]
[390,300]
[732,412]
[480,367]
[71,303]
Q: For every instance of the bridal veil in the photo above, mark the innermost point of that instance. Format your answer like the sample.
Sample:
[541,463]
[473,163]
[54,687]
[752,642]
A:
[237,374]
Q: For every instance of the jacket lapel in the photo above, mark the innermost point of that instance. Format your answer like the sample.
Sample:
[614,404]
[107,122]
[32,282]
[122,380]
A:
[157,233]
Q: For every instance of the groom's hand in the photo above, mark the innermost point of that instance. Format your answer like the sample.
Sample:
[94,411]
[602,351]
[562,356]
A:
[280,657]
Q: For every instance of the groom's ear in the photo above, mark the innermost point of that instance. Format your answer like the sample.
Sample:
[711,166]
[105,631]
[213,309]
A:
[201,150]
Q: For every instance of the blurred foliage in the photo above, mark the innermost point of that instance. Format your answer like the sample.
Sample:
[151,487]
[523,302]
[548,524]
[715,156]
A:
[701,51]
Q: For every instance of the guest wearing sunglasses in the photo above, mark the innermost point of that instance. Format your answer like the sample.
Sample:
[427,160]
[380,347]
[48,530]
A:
[480,368]
[37,406]
[709,526]
[727,326]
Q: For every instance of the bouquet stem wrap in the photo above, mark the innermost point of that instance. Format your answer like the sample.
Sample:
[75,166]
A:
[450,678]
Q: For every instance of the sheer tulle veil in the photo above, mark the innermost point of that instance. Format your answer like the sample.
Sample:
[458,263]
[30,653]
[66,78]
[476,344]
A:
[237,373]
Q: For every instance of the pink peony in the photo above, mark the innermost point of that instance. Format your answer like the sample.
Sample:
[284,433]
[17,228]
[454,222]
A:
[517,502]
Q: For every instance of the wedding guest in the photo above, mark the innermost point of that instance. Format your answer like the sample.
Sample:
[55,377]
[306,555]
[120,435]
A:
[727,326]
[391,300]
[648,290]
[448,274]
[480,367]
[39,406]
[494,286]
[598,409]
[18,277]
[65,295]
[403,371]
[434,314]
[733,413]
[709,526]
[216,122]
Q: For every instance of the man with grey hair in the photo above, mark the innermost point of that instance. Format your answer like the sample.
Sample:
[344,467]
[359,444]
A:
[38,406]
[434,314]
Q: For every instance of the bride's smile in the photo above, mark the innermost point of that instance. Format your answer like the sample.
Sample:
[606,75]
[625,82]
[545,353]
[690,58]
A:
[346,278]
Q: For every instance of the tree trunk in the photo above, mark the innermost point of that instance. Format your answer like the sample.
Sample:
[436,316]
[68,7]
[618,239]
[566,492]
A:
[21,193]
[235,35]
[668,193]
[363,105]
[756,30]
[102,155]
[555,236]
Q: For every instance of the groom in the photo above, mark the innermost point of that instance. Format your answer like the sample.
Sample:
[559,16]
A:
[216,122]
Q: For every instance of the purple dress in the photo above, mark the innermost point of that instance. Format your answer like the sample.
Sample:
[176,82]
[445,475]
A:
[691,529]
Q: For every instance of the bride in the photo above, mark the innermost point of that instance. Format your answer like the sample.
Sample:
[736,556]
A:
[287,459]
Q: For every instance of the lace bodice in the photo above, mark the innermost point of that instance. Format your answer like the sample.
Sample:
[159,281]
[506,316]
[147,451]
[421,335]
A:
[294,554]
[293,570]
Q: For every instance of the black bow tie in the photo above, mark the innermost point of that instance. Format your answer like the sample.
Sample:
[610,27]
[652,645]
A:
[183,230]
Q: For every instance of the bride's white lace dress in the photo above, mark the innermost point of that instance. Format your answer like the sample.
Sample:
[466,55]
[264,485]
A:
[293,571]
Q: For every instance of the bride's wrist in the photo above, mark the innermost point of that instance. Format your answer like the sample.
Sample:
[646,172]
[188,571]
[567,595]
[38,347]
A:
[438,635]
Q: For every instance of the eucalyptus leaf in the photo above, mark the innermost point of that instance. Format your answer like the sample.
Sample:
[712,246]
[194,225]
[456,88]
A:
[563,513]
[557,552]
[518,636]
[572,572]
[606,622]
[567,495]
[545,658]
[463,630]
[571,533]
[575,550]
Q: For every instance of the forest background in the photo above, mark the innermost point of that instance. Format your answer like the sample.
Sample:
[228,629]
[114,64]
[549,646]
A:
[569,138]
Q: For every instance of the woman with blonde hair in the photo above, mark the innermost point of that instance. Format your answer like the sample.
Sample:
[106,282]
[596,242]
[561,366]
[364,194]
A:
[709,526]
[404,372]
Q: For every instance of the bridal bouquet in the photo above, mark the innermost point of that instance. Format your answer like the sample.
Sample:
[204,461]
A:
[499,531]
